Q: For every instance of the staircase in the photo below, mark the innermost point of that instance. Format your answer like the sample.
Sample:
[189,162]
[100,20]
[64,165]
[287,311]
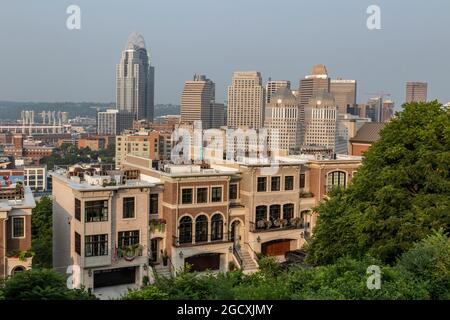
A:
[162,271]
[248,264]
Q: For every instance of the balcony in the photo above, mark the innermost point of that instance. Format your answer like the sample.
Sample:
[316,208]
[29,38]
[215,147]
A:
[276,225]
[188,241]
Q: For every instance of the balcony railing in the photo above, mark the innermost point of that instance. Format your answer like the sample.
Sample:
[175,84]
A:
[265,225]
[189,241]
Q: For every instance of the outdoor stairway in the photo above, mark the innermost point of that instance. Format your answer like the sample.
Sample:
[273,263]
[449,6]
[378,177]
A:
[248,264]
[162,271]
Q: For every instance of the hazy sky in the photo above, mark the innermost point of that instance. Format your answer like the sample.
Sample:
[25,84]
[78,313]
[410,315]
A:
[41,60]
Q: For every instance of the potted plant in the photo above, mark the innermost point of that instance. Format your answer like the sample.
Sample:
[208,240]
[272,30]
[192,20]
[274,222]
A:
[283,222]
[277,223]
[165,257]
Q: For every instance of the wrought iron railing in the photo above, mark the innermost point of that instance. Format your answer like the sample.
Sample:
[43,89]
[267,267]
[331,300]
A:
[264,225]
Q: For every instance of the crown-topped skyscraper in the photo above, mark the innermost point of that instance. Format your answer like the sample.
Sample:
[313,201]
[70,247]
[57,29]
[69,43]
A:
[135,80]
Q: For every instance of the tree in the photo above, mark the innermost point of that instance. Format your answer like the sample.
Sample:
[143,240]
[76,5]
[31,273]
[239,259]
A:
[41,233]
[399,195]
[41,284]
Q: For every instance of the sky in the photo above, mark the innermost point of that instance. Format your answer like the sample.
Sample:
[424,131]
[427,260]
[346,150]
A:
[42,60]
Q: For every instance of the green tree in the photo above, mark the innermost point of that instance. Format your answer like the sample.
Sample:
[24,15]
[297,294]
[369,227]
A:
[41,233]
[41,284]
[399,195]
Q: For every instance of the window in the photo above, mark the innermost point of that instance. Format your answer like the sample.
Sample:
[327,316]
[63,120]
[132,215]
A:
[274,212]
[96,211]
[262,184]
[233,191]
[202,195]
[128,208]
[96,245]
[216,194]
[186,196]
[154,203]
[336,179]
[302,180]
[128,238]
[275,184]
[289,183]
[18,224]
[288,211]
[201,229]
[78,243]
[78,209]
[185,230]
[216,227]
[261,213]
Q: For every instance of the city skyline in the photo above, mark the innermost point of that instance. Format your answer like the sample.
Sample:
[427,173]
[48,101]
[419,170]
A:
[73,75]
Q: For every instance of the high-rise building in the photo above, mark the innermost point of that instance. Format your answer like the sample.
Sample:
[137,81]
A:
[416,91]
[314,83]
[135,79]
[321,121]
[283,120]
[246,100]
[373,109]
[344,92]
[198,103]
[387,112]
[272,86]
[113,121]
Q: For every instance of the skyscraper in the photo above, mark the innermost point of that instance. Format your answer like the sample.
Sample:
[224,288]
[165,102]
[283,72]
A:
[246,100]
[283,120]
[198,103]
[321,121]
[387,112]
[344,92]
[316,82]
[113,121]
[135,79]
[373,109]
[272,86]
[416,91]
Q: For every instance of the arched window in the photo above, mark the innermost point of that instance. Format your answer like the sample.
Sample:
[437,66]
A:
[275,211]
[185,230]
[288,211]
[201,229]
[261,215]
[336,179]
[216,227]
[18,269]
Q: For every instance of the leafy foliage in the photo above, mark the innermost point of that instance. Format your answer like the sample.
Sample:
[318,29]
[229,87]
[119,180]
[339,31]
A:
[41,284]
[399,195]
[41,232]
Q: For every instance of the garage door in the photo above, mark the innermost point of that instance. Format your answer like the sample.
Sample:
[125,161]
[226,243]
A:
[276,248]
[114,277]
[202,262]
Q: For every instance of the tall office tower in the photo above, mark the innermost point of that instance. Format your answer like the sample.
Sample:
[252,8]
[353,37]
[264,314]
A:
[321,121]
[344,92]
[272,86]
[197,101]
[416,91]
[113,121]
[246,100]
[283,121]
[317,82]
[373,109]
[135,80]
[387,111]
[218,116]
[314,83]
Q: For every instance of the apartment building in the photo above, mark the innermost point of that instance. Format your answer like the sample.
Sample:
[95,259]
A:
[16,204]
[101,225]
[142,143]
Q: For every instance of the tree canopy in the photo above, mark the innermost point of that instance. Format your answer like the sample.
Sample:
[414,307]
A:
[399,195]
